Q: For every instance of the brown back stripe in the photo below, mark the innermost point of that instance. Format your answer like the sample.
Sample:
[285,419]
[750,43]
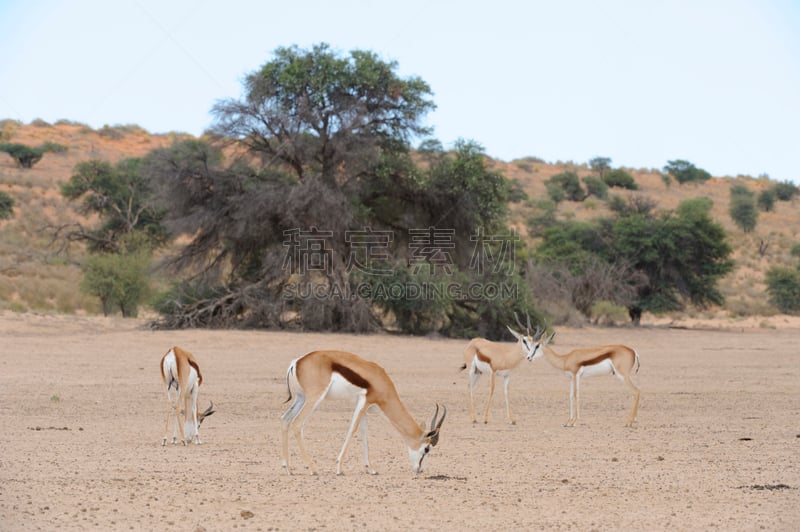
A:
[352,377]
[596,360]
[483,358]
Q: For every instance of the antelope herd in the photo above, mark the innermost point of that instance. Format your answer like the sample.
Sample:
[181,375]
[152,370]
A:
[319,375]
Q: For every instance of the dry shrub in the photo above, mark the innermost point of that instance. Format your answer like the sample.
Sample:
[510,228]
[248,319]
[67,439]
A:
[608,313]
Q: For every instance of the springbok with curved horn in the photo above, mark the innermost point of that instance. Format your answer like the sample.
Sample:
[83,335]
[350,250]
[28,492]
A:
[181,375]
[484,356]
[617,360]
[318,375]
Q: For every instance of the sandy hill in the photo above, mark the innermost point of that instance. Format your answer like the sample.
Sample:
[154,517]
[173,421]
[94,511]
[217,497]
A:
[34,278]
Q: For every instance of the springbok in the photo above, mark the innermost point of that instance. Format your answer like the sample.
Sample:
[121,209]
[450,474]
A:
[618,360]
[339,374]
[181,373]
[483,356]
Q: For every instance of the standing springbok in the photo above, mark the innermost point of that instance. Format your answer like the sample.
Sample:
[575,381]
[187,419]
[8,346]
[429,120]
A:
[181,373]
[339,374]
[618,360]
[482,355]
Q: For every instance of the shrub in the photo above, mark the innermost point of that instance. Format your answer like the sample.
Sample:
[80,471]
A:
[6,206]
[786,190]
[118,281]
[783,286]
[596,186]
[766,200]
[543,215]
[608,313]
[53,147]
[26,156]
[743,208]
[565,185]
[685,172]
[23,155]
[621,179]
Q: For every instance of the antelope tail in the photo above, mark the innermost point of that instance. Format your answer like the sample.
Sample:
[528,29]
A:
[288,387]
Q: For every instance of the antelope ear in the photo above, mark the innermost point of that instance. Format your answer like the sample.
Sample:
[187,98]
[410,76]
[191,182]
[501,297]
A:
[515,333]
[433,436]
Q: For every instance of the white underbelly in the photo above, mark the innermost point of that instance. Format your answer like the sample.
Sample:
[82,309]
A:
[606,367]
[341,388]
[482,367]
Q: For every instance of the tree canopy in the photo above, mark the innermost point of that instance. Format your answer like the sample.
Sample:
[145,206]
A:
[27,156]
[121,195]
[685,172]
[324,116]
[322,171]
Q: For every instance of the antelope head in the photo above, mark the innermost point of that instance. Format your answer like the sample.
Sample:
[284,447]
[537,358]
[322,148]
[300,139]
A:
[202,415]
[427,441]
[540,340]
[527,340]
[188,427]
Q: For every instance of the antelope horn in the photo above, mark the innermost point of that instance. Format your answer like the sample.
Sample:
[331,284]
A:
[519,323]
[210,410]
[540,332]
[434,433]
[441,420]
[528,316]
[433,421]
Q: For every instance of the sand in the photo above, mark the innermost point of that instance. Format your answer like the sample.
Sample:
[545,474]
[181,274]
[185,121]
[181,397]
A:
[82,413]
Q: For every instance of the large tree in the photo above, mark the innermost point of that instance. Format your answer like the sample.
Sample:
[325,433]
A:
[682,254]
[325,117]
[322,171]
[123,199]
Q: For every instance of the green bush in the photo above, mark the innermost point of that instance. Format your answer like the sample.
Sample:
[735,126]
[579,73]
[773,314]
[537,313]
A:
[6,206]
[685,172]
[596,186]
[566,185]
[25,156]
[119,281]
[786,190]
[766,200]
[620,178]
[783,286]
[608,313]
[743,208]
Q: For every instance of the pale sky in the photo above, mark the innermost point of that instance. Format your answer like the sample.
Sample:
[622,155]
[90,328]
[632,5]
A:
[715,82]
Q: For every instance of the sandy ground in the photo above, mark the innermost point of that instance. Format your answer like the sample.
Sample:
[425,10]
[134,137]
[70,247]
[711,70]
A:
[717,444]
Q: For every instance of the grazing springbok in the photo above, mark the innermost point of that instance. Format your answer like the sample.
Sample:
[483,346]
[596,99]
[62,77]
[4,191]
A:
[484,356]
[618,360]
[181,375]
[339,374]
